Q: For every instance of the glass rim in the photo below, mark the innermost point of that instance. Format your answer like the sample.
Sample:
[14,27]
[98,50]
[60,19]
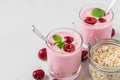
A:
[100,67]
[65,29]
[93,5]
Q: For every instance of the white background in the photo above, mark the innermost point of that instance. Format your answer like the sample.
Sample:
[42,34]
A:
[19,45]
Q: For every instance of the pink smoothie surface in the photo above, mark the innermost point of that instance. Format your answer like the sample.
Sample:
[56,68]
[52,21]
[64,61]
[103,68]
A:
[61,62]
[98,30]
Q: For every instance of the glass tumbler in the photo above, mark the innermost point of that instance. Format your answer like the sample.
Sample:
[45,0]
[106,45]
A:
[64,64]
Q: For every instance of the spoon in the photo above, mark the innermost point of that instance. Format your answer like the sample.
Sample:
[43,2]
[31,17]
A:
[110,6]
[36,31]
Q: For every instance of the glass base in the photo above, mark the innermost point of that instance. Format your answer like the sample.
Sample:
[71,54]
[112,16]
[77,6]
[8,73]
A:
[72,76]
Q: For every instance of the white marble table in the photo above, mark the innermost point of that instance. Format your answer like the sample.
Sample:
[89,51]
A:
[19,45]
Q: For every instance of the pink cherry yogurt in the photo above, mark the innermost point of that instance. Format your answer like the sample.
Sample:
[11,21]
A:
[97,31]
[62,63]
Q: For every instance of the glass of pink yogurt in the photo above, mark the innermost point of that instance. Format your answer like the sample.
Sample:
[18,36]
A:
[64,57]
[95,23]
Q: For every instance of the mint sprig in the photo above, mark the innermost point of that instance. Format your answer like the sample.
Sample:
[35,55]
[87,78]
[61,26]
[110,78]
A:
[57,38]
[97,12]
[60,45]
[58,41]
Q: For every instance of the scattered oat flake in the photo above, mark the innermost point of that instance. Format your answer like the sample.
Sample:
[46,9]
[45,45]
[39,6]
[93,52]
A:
[82,79]
[39,66]
[17,78]
[75,43]
[58,50]
[87,13]
[74,24]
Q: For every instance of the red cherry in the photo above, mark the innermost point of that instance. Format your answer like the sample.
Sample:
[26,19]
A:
[69,47]
[90,20]
[102,20]
[68,39]
[42,54]
[113,32]
[38,74]
[84,55]
[84,58]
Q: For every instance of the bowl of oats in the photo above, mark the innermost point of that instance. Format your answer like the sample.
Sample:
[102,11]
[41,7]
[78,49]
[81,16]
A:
[104,59]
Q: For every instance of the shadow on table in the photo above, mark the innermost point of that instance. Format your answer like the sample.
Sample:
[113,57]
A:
[84,73]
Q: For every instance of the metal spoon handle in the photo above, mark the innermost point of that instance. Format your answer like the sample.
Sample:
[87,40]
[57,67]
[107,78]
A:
[36,31]
[110,6]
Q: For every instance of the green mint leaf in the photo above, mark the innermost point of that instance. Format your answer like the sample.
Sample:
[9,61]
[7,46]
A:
[97,12]
[56,43]
[57,38]
[60,45]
